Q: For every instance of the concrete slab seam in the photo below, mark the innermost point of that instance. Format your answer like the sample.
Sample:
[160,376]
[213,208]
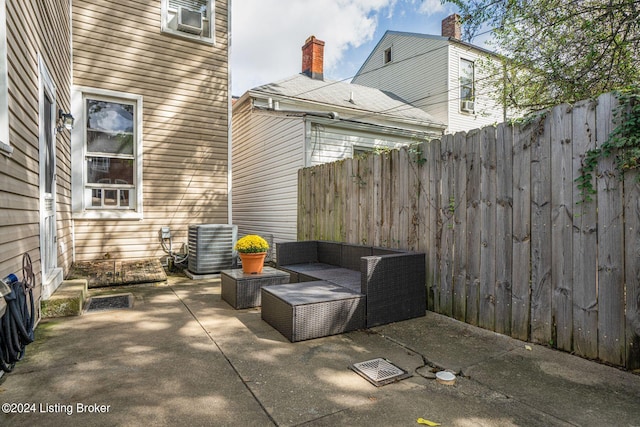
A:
[225,357]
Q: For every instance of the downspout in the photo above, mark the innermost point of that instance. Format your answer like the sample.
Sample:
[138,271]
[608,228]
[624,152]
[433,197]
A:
[306,160]
[229,126]
[73,223]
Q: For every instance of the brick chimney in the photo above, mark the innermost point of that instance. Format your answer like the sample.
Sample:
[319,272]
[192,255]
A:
[313,58]
[451,27]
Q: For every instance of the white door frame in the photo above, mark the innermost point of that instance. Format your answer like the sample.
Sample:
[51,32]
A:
[51,274]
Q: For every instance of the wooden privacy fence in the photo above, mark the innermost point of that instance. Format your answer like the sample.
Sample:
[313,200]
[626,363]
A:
[509,247]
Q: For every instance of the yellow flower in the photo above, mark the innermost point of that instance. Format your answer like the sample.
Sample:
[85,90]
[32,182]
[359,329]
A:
[251,243]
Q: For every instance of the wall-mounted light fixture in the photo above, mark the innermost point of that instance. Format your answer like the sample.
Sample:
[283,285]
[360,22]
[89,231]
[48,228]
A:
[65,120]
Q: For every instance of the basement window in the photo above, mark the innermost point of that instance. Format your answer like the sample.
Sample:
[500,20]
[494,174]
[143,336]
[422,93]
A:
[189,19]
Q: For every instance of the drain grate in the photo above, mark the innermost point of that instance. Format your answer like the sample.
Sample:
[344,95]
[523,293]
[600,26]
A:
[379,371]
[110,302]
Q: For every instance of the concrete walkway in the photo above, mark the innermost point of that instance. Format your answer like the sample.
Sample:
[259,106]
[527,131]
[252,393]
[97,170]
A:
[182,356]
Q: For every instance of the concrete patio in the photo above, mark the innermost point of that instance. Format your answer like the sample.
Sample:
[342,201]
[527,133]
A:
[182,356]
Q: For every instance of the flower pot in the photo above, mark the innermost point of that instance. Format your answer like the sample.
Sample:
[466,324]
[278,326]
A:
[252,263]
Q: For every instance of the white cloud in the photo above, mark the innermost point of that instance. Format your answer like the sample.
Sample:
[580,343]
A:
[267,35]
[430,7]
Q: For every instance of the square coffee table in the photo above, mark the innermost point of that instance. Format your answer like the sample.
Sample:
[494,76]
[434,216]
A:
[242,290]
[307,310]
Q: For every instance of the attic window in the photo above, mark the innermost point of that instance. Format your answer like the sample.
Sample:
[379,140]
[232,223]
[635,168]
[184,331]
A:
[190,19]
[387,55]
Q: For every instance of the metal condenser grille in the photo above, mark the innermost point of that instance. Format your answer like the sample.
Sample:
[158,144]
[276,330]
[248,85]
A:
[379,371]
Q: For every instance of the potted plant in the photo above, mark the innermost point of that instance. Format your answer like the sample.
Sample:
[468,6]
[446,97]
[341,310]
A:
[252,249]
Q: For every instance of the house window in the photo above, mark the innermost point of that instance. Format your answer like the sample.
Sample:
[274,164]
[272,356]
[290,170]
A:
[387,55]
[5,148]
[191,19]
[107,172]
[360,151]
[466,86]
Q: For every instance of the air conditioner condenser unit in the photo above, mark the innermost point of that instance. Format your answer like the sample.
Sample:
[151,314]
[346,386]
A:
[211,248]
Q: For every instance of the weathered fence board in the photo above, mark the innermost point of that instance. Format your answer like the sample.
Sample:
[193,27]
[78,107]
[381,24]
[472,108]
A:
[504,224]
[632,270]
[423,209]
[376,207]
[413,209]
[541,235]
[365,202]
[561,227]
[433,163]
[460,226]
[585,299]
[385,205]
[521,262]
[474,225]
[509,246]
[447,208]
[486,315]
[611,340]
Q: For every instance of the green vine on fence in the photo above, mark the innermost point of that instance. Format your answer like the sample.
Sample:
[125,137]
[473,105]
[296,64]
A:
[624,142]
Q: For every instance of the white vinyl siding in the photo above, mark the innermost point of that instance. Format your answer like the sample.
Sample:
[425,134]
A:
[425,71]
[267,154]
[329,144]
[486,112]
[269,147]
[414,76]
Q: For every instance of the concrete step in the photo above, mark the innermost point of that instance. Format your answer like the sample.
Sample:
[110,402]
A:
[67,300]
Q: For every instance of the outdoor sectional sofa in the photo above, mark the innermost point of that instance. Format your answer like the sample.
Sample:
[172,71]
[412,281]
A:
[337,287]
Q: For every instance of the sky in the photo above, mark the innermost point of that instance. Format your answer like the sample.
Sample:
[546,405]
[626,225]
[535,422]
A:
[267,35]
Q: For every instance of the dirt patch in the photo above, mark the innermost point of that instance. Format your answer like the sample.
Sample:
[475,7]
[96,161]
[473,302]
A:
[119,272]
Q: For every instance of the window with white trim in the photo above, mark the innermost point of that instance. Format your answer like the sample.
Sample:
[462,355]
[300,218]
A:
[191,19]
[107,176]
[467,86]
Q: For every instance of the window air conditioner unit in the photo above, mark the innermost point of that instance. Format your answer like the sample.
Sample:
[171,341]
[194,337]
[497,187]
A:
[211,248]
[189,21]
[468,106]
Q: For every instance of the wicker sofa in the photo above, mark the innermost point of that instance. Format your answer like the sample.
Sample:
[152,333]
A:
[390,283]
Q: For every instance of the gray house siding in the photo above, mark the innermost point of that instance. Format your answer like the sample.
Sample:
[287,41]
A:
[329,144]
[268,150]
[425,71]
[487,112]
[416,73]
